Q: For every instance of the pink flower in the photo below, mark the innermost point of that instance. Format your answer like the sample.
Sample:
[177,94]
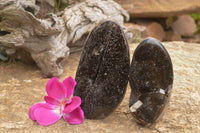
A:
[59,102]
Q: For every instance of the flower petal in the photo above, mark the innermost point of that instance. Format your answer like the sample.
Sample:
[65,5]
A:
[55,89]
[75,103]
[75,117]
[51,100]
[33,108]
[50,106]
[45,116]
[69,84]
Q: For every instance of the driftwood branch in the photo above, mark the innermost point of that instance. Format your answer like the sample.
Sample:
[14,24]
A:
[48,40]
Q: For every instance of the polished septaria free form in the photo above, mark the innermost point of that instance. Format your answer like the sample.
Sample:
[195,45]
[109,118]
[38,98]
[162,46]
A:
[103,69]
[151,79]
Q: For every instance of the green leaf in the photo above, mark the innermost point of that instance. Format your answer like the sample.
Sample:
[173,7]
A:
[55,6]
[3,58]
[58,4]
[67,3]
[195,16]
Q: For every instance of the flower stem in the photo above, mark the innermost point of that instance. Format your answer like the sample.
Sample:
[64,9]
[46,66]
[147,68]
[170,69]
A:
[55,5]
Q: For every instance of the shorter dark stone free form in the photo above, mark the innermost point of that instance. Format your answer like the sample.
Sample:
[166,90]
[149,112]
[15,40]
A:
[103,70]
[151,79]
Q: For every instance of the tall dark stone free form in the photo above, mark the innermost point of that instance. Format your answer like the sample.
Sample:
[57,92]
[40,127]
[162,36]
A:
[151,79]
[103,70]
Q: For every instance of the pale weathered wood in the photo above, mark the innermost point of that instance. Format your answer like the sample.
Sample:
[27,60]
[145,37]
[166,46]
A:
[160,8]
[47,39]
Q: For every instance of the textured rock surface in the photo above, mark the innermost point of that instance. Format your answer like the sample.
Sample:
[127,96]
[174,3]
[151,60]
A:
[172,36]
[138,31]
[146,29]
[47,40]
[155,30]
[102,74]
[151,80]
[21,86]
[160,8]
[184,26]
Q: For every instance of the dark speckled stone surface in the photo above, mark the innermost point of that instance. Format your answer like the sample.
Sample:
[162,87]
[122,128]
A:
[151,79]
[103,70]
